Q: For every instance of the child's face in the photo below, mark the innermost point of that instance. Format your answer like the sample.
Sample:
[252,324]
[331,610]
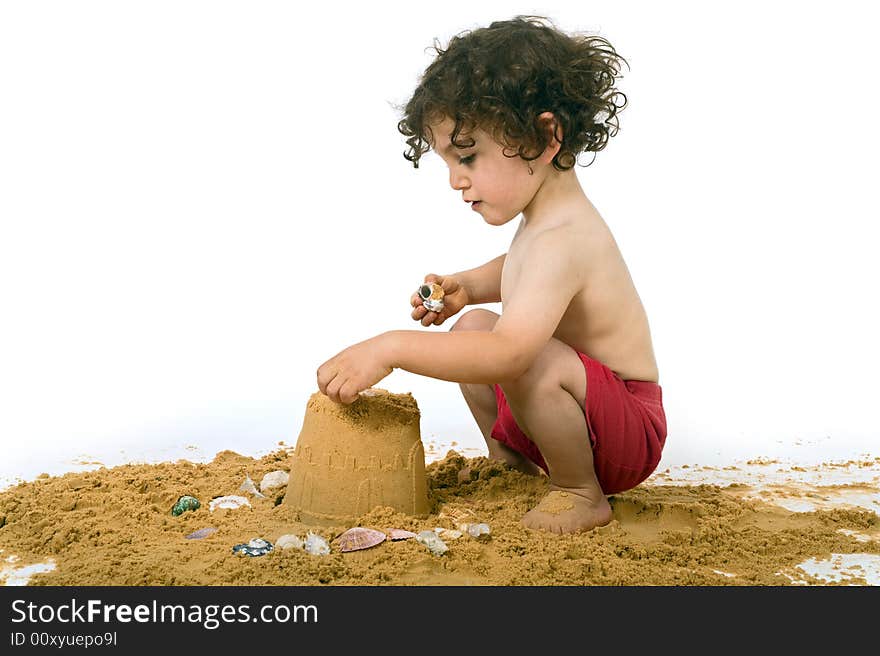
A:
[502,185]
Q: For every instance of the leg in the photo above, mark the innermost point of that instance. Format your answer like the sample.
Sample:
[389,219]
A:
[480,400]
[547,403]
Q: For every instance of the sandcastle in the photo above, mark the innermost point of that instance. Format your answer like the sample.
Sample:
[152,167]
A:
[350,459]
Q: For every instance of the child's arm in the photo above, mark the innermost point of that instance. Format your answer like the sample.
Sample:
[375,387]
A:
[483,283]
[530,318]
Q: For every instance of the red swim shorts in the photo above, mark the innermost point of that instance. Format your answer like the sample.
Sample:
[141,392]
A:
[625,420]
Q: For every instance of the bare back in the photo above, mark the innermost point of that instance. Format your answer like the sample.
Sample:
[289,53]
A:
[605,319]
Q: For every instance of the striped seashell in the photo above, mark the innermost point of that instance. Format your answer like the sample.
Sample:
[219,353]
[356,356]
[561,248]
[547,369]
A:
[201,533]
[360,538]
[399,534]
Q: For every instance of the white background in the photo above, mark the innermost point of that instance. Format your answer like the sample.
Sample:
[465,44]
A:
[200,202]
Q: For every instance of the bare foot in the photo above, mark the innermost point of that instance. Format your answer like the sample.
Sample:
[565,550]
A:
[567,510]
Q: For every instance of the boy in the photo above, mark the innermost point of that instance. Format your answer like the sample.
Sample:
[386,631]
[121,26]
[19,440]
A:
[565,379]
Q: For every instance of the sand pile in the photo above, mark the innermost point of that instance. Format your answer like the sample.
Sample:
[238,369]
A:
[114,527]
[352,458]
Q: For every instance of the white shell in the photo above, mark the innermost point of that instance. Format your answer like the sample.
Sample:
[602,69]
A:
[230,502]
[289,541]
[447,533]
[476,530]
[457,516]
[248,486]
[399,534]
[316,545]
[435,545]
[274,479]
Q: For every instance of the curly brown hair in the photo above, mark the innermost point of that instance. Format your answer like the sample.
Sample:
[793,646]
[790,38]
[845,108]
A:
[502,77]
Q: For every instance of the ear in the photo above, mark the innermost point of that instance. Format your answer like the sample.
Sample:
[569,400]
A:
[554,130]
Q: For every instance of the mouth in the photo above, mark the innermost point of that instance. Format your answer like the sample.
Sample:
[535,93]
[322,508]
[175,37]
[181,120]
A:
[475,204]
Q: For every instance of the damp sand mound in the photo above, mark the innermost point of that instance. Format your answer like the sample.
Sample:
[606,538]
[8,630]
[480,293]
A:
[114,527]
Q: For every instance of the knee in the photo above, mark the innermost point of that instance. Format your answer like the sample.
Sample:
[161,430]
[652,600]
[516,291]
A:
[477,319]
[483,396]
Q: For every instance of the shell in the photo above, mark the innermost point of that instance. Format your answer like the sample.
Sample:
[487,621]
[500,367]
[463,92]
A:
[432,296]
[433,306]
[230,502]
[360,538]
[431,291]
[183,504]
[477,530]
[201,533]
[316,545]
[274,479]
[447,533]
[435,545]
[289,541]
[248,486]
[457,516]
[399,534]
[256,547]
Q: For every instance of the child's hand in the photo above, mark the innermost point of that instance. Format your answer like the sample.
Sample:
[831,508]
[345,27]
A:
[454,299]
[353,370]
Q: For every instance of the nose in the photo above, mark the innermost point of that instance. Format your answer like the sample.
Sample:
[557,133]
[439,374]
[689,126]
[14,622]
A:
[457,180]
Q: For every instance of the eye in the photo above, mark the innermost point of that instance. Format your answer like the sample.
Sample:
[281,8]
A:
[466,160]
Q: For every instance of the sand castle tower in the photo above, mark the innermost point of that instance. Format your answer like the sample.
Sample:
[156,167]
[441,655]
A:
[350,459]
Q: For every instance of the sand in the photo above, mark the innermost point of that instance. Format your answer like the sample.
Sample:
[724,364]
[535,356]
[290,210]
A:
[113,526]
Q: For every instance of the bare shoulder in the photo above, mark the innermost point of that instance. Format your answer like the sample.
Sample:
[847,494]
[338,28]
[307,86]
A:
[577,239]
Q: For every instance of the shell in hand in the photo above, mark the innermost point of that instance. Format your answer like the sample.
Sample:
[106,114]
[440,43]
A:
[432,296]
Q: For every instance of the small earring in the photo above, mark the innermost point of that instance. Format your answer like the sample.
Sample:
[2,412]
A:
[531,172]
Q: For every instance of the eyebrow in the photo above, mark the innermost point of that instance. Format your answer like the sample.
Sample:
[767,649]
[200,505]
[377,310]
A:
[452,147]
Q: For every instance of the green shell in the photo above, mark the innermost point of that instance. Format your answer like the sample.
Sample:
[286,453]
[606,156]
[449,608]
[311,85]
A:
[183,504]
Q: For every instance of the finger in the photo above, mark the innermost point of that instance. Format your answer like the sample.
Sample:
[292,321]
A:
[419,312]
[348,393]
[415,300]
[428,319]
[333,388]
[449,285]
[439,320]
[325,375]
[432,277]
